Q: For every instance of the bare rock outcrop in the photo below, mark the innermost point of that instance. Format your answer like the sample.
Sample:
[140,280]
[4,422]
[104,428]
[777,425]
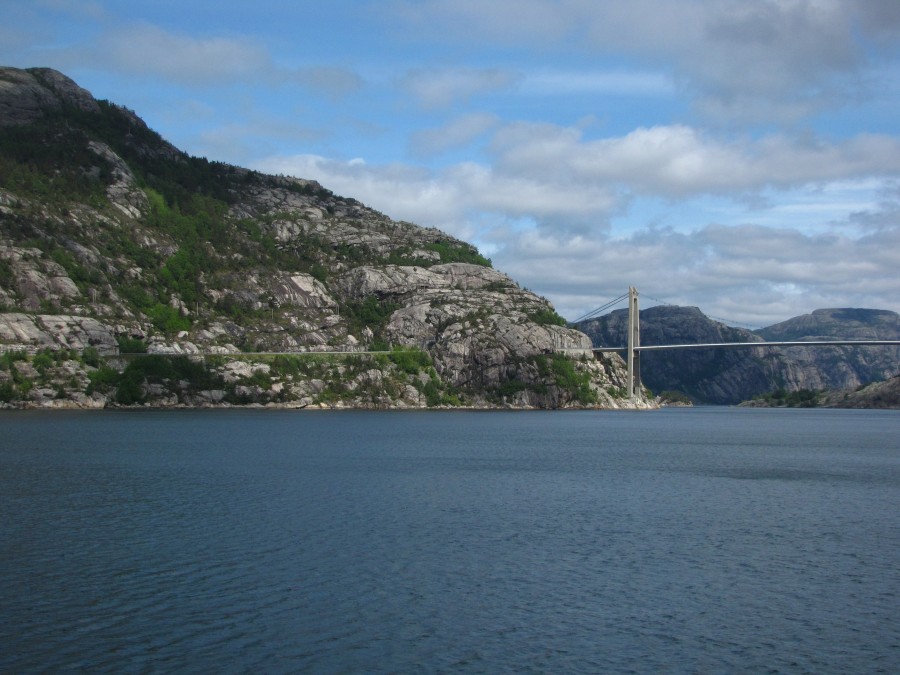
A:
[33,332]
[123,242]
[26,95]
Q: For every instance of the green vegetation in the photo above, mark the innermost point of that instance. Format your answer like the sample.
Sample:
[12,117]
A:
[90,357]
[780,398]
[49,159]
[565,376]
[370,313]
[458,252]
[177,374]
[202,255]
[556,370]
[547,317]
[128,345]
[675,397]
[409,359]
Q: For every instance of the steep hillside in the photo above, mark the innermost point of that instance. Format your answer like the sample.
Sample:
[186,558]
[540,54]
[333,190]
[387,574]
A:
[706,375]
[726,376]
[113,241]
[884,394]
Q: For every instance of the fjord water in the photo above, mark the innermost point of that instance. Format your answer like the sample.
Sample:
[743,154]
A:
[684,540]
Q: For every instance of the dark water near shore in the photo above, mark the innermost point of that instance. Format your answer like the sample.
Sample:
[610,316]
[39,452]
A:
[705,540]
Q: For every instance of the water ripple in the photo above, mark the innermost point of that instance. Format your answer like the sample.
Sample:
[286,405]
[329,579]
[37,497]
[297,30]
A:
[517,543]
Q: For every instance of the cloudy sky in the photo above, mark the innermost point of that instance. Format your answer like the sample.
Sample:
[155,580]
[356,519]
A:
[742,156]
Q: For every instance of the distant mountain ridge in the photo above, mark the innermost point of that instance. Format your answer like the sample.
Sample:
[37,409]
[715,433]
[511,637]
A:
[846,322]
[112,240]
[729,376]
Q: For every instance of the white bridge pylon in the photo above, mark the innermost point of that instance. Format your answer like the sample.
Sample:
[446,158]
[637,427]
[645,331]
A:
[634,341]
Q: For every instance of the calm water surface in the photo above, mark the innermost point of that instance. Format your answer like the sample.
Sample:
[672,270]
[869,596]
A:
[704,540]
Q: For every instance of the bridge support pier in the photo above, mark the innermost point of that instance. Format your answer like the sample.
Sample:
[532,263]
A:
[634,340]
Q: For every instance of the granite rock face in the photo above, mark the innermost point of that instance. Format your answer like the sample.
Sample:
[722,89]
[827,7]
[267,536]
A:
[26,95]
[277,290]
[883,394]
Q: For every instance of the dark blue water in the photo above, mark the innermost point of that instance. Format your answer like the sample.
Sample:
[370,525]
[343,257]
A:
[706,540]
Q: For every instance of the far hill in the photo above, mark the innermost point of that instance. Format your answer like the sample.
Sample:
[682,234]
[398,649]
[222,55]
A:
[847,322]
[724,376]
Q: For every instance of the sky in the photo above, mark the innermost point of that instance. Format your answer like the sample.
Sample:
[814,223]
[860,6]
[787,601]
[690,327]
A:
[741,156]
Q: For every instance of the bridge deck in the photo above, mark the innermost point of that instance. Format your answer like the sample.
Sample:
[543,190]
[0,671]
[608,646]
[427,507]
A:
[711,345]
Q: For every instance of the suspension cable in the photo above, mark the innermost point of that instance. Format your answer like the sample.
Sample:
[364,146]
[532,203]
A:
[597,311]
[716,318]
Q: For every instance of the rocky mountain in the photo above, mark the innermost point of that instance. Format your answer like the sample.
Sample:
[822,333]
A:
[133,273]
[883,394]
[726,376]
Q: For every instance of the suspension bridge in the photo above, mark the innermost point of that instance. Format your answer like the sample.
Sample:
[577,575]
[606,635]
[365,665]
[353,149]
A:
[633,347]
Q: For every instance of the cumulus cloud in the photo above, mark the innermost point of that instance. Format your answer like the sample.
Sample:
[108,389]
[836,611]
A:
[456,199]
[403,192]
[680,161]
[743,61]
[757,275]
[553,177]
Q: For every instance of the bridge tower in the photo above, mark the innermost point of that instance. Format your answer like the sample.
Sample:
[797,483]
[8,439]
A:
[634,340]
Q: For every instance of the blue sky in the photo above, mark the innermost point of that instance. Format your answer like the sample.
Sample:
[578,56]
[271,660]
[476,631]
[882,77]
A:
[742,156]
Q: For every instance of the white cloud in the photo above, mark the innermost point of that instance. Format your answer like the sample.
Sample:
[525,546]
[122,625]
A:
[761,226]
[743,61]
[751,274]
[456,134]
[146,50]
[441,87]
[456,199]
[680,161]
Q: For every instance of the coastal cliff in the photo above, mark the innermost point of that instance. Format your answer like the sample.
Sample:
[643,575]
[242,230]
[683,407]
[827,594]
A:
[134,274]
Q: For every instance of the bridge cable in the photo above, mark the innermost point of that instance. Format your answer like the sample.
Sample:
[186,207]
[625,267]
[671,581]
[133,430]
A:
[597,311]
[730,322]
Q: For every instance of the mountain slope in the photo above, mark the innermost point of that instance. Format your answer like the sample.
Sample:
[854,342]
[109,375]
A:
[112,240]
[725,376]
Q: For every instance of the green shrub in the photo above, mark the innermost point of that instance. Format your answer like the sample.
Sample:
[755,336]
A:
[8,392]
[41,361]
[671,396]
[547,317]
[128,345]
[90,357]
[9,358]
[103,379]
[568,378]
[510,388]
[409,359]
[458,252]
[168,319]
